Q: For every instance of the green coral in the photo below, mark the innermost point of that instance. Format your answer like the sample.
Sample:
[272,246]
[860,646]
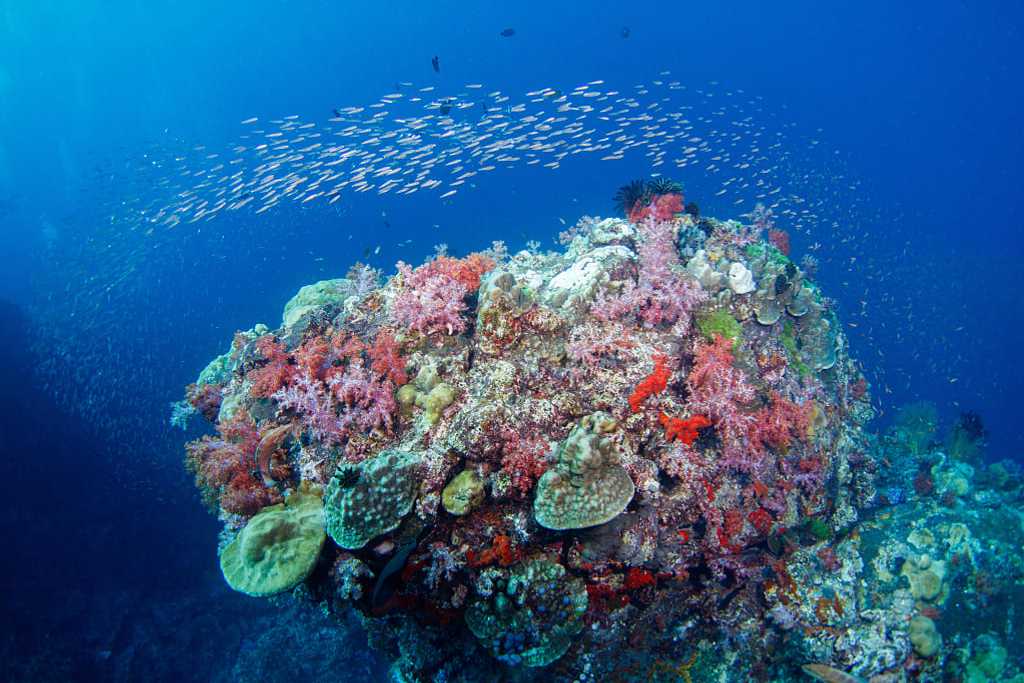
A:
[818,528]
[277,549]
[788,339]
[310,297]
[532,618]
[769,251]
[369,499]
[463,493]
[217,371]
[428,392]
[434,403]
[588,485]
[988,660]
[719,322]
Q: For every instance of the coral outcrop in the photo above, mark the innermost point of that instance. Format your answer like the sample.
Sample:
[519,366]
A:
[644,455]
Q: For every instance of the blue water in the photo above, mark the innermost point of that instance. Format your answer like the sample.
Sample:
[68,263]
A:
[916,106]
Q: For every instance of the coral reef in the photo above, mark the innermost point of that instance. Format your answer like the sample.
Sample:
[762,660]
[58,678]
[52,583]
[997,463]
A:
[644,457]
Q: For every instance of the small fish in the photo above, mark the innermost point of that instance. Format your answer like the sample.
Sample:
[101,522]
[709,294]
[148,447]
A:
[508,32]
[436,63]
[624,33]
[823,672]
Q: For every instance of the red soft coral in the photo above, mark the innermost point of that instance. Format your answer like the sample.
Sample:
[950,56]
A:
[780,240]
[779,424]
[245,495]
[685,430]
[386,359]
[651,385]
[523,459]
[312,356]
[275,373]
[661,207]
[761,520]
[205,398]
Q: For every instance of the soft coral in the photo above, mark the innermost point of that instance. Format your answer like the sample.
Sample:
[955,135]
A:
[430,300]
[651,385]
[662,293]
[721,392]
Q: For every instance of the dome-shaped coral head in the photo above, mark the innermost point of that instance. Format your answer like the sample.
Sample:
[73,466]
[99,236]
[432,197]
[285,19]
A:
[278,548]
[588,485]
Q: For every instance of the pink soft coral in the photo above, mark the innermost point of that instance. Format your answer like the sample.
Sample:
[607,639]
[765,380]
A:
[312,402]
[662,293]
[369,400]
[430,300]
[721,392]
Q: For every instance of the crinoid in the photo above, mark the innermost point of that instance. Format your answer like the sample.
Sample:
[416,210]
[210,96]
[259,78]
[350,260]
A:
[348,476]
[629,194]
[663,185]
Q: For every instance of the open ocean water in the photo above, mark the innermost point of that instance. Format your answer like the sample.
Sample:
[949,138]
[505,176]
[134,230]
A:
[828,489]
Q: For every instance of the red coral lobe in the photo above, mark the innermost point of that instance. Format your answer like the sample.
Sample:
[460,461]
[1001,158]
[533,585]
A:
[653,384]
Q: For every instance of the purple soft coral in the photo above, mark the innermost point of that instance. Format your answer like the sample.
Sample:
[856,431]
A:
[720,391]
[369,401]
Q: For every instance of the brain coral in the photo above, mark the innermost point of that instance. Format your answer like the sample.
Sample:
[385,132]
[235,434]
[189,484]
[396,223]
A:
[277,549]
[370,499]
[587,486]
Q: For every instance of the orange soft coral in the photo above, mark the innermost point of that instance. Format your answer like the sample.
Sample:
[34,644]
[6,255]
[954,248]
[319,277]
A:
[651,385]
[685,430]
